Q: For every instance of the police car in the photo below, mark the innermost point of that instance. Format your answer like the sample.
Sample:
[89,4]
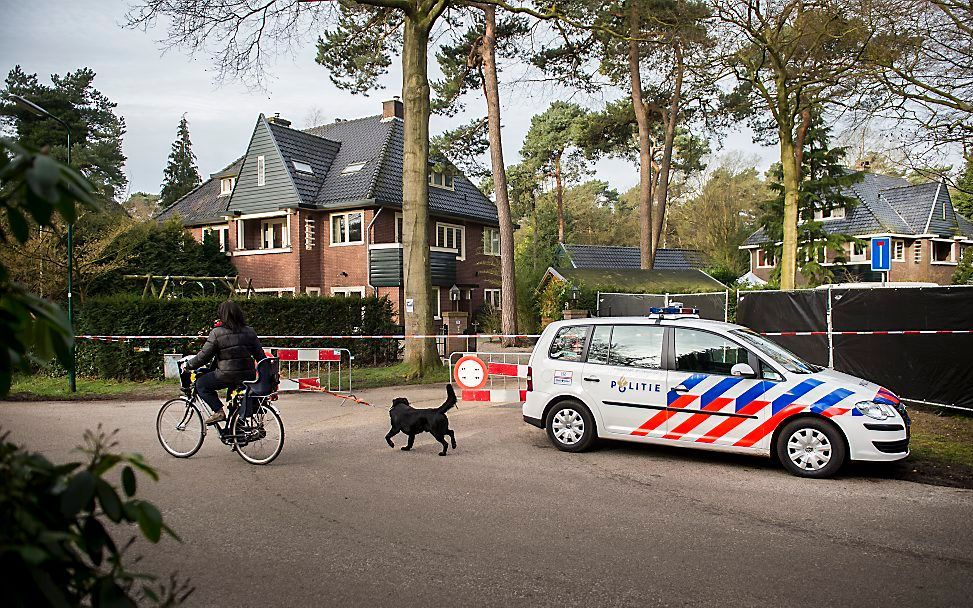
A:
[672,378]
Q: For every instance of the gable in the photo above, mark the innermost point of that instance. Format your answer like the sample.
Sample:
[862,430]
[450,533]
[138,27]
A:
[202,205]
[278,191]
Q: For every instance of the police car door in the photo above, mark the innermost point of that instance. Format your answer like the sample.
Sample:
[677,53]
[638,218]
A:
[707,404]
[624,376]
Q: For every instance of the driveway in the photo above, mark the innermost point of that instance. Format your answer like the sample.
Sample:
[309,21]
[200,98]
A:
[342,519]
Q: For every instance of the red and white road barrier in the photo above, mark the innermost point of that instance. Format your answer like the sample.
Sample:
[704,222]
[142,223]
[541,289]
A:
[320,337]
[494,395]
[473,374]
[313,369]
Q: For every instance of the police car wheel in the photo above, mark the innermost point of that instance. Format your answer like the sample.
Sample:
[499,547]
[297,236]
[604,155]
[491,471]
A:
[570,426]
[808,447]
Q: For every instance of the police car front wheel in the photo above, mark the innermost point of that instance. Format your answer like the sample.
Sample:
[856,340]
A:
[570,426]
[809,447]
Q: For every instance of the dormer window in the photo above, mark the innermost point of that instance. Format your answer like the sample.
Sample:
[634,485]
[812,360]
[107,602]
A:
[439,179]
[353,168]
[226,185]
[834,213]
[302,166]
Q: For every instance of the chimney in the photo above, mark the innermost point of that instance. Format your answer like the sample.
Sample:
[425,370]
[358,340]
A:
[392,108]
[277,120]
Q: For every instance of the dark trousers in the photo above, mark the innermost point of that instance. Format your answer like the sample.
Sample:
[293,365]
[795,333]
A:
[208,384]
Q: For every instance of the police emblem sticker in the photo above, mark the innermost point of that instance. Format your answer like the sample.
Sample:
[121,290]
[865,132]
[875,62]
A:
[563,376]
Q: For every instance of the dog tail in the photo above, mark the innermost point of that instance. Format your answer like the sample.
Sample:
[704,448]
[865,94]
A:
[450,400]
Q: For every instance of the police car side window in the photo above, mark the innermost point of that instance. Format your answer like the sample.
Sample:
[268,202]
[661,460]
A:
[568,343]
[600,343]
[703,352]
[636,346]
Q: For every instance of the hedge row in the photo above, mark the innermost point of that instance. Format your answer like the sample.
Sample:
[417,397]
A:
[128,315]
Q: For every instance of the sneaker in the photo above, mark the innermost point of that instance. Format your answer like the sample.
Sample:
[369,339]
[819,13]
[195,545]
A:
[217,417]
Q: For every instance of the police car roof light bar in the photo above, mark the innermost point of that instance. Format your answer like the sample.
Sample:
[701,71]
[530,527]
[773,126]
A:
[669,311]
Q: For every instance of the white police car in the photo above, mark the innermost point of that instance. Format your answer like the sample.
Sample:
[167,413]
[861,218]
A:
[672,378]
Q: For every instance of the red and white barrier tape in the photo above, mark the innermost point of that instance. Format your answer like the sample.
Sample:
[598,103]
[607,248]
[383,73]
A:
[910,332]
[354,337]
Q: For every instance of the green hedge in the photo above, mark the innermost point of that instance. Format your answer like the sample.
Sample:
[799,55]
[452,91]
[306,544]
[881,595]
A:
[128,315]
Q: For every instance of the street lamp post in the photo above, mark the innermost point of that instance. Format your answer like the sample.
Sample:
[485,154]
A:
[36,110]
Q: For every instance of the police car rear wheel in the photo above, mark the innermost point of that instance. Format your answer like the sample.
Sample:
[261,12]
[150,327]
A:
[810,448]
[570,426]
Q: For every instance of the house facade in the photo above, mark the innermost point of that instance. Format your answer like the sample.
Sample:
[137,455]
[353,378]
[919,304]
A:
[928,235]
[319,212]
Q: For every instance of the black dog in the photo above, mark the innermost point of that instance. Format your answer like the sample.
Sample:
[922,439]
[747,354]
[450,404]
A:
[411,421]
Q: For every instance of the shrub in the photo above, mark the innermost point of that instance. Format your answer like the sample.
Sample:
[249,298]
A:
[129,315]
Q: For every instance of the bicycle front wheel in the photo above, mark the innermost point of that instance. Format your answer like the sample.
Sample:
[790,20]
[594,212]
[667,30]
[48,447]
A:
[180,427]
[259,438]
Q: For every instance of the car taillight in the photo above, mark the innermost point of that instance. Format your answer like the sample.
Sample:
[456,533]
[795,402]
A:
[530,379]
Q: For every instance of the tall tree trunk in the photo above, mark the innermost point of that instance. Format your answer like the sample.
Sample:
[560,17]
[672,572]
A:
[672,119]
[420,354]
[508,279]
[788,161]
[559,193]
[646,250]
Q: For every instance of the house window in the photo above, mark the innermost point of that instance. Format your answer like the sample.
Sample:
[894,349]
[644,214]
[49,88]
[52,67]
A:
[491,241]
[438,179]
[313,291]
[226,185]
[492,297]
[348,292]
[857,252]
[353,168]
[451,236]
[834,213]
[943,252]
[273,235]
[346,228]
[437,305]
[765,259]
[917,252]
[309,233]
[398,228]
[261,171]
[303,167]
[898,251]
[221,234]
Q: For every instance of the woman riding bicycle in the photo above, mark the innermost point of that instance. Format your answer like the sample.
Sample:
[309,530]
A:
[235,347]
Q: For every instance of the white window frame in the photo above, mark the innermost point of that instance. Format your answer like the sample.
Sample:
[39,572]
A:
[488,234]
[898,250]
[762,257]
[835,213]
[399,220]
[224,190]
[345,291]
[441,177]
[461,251]
[280,291]
[302,166]
[438,302]
[285,233]
[353,167]
[309,233]
[857,258]
[313,291]
[488,297]
[952,252]
[261,171]
[222,235]
[346,232]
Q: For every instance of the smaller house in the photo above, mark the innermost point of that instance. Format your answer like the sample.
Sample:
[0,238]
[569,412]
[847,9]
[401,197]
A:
[611,256]
[928,235]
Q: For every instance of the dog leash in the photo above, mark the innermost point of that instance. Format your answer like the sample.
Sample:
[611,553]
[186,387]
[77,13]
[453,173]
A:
[349,397]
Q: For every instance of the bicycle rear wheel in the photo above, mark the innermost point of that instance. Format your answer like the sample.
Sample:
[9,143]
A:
[259,438]
[180,427]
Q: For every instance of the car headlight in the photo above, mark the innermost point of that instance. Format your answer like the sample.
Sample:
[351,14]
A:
[878,411]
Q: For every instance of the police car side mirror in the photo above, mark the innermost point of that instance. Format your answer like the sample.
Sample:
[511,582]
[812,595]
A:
[743,370]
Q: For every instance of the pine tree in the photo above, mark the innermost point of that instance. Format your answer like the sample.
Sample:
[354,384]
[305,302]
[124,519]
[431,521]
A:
[181,174]
[963,196]
[824,187]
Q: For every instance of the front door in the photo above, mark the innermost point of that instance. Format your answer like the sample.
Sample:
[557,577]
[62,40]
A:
[707,403]
[624,376]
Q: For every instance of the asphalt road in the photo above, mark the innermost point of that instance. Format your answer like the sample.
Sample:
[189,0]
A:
[340,519]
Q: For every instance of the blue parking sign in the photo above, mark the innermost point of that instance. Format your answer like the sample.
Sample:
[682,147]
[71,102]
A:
[881,253]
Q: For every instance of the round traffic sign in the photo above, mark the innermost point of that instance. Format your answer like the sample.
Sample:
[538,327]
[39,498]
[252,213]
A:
[470,372]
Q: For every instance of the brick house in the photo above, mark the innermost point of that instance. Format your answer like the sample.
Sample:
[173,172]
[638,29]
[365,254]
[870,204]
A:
[928,235]
[318,212]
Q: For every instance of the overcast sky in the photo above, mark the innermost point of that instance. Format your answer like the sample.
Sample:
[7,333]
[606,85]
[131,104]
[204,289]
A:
[153,90]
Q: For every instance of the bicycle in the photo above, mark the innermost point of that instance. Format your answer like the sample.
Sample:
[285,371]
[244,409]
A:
[254,427]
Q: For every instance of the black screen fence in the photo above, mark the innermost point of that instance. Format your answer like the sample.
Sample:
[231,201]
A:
[710,305]
[915,341]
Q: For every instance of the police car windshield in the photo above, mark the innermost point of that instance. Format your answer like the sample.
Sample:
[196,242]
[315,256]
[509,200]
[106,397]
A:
[778,353]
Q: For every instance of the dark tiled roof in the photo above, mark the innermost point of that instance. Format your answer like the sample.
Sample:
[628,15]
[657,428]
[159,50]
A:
[362,140]
[886,204]
[203,205]
[965,226]
[298,146]
[608,256]
[632,280]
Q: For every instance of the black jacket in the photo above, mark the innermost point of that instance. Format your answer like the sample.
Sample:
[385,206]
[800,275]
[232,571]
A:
[234,351]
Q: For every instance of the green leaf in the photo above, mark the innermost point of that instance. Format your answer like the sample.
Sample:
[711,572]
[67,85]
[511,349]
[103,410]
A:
[150,521]
[128,481]
[94,536]
[79,492]
[110,595]
[32,555]
[18,224]
[109,500]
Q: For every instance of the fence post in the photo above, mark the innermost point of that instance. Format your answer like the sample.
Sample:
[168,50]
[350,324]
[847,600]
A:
[597,303]
[726,306]
[830,336]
